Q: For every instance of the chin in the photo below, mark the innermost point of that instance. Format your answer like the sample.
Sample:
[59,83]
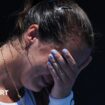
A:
[34,87]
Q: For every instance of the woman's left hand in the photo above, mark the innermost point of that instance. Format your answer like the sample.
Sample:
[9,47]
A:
[64,71]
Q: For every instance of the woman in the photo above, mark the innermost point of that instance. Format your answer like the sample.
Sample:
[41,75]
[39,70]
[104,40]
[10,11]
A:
[53,44]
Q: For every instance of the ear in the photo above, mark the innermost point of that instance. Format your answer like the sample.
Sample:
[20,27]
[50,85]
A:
[30,36]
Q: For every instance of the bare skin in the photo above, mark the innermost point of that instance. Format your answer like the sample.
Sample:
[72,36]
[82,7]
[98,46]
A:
[64,70]
[29,69]
[5,78]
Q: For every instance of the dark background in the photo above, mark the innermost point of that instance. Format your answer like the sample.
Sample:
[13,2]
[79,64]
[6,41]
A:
[90,85]
[89,88]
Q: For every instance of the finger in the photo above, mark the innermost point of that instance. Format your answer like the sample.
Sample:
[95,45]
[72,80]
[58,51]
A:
[57,56]
[55,66]
[70,60]
[53,72]
[61,63]
[68,56]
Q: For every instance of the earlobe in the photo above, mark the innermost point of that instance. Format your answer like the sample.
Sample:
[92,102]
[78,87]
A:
[31,34]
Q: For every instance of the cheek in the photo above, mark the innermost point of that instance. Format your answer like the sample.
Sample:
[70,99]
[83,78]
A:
[32,83]
[37,70]
[32,79]
[42,60]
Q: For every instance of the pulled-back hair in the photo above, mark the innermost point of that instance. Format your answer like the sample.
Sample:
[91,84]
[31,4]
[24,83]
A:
[58,20]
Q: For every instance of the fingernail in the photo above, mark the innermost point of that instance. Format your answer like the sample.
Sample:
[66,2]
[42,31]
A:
[51,58]
[54,51]
[48,63]
[65,51]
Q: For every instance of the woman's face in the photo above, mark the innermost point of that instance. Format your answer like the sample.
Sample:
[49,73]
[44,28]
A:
[38,76]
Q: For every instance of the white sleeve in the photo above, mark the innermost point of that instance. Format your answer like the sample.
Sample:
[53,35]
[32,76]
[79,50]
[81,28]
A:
[64,101]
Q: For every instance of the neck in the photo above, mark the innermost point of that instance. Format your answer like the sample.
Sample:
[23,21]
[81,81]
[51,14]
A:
[10,62]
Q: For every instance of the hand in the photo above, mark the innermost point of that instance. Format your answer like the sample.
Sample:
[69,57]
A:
[64,71]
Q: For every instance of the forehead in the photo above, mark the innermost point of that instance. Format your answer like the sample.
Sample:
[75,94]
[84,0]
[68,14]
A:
[81,55]
[78,49]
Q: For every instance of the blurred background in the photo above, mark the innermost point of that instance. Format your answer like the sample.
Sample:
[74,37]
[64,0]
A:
[89,88]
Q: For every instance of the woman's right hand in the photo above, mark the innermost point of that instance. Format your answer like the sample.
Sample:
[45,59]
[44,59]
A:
[64,71]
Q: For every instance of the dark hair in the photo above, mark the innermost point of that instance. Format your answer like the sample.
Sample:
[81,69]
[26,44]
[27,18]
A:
[58,20]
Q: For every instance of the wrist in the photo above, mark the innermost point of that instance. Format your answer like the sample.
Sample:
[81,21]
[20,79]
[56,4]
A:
[60,93]
[68,100]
